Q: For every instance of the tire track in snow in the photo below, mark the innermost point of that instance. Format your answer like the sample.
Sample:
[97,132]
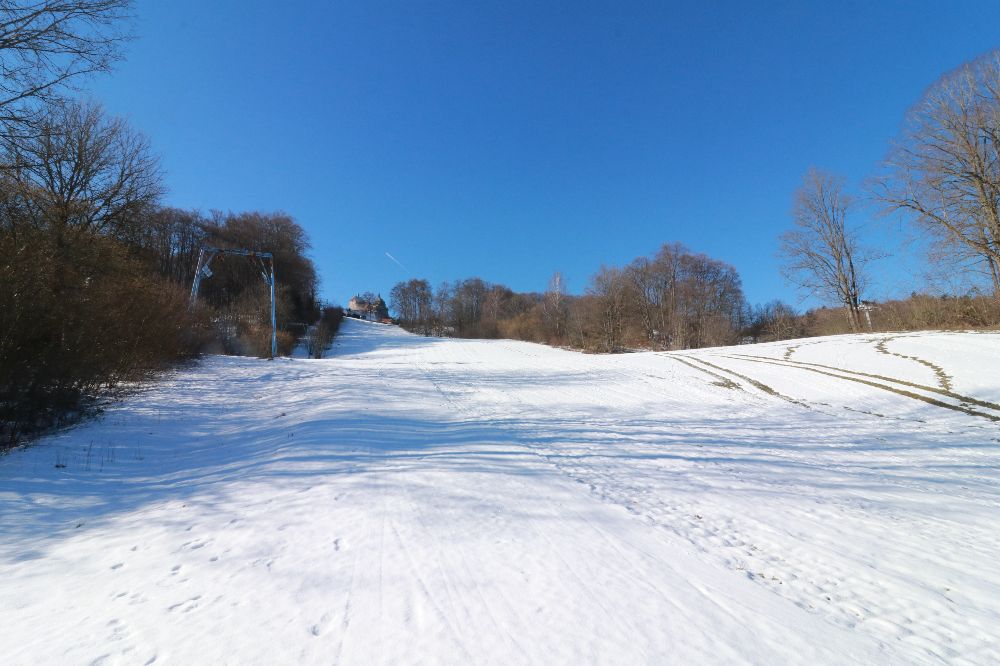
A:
[761,386]
[863,378]
[948,392]
[943,379]
[724,382]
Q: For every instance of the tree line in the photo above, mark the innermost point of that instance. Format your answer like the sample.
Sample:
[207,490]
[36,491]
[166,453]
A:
[95,271]
[672,299]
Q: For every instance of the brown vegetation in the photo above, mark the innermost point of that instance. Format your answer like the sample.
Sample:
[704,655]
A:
[672,300]
[918,312]
[96,276]
[325,330]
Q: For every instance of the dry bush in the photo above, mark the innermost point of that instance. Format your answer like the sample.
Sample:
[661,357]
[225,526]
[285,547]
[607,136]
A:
[925,312]
[918,312]
[325,331]
[826,321]
[81,318]
[255,340]
[528,326]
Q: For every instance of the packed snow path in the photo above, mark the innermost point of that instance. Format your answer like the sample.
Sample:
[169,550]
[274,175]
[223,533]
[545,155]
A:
[444,501]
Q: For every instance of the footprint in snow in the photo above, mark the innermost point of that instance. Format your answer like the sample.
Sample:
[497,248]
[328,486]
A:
[187,605]
[318,628]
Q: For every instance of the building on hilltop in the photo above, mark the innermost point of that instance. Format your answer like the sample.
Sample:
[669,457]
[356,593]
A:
[368,307]
[357,305]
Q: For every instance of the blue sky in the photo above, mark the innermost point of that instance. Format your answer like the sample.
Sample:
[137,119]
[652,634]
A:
[512,139]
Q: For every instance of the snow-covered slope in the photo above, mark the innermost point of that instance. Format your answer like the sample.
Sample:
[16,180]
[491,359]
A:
[422,500]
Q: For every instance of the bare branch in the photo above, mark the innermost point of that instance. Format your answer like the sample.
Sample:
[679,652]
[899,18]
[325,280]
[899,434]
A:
[944,170]
[45,46]
[821,254]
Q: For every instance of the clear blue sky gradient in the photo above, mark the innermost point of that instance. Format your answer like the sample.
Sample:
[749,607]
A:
[512,139]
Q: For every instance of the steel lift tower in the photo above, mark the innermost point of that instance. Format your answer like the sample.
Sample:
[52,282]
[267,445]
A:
[266,260]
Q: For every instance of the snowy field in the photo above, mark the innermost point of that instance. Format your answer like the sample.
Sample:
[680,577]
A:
[415,500]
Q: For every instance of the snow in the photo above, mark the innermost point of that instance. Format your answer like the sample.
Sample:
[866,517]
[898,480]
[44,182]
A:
[414,499]
[965,357]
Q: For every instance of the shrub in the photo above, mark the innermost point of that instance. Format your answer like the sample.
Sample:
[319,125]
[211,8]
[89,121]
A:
[80,317]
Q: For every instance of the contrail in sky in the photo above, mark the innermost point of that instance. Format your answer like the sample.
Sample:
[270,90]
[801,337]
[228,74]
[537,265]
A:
[396,261]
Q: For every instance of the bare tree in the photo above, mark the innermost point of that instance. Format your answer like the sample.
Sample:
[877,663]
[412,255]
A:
[554,305]
[402,301]
[610,290]
[370,300]
[82,171]
[655,292]
[46,45]
[423,305]
[411,301]
[775,320]
[171,239]
[945,168]
[710,301]
[821,254]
